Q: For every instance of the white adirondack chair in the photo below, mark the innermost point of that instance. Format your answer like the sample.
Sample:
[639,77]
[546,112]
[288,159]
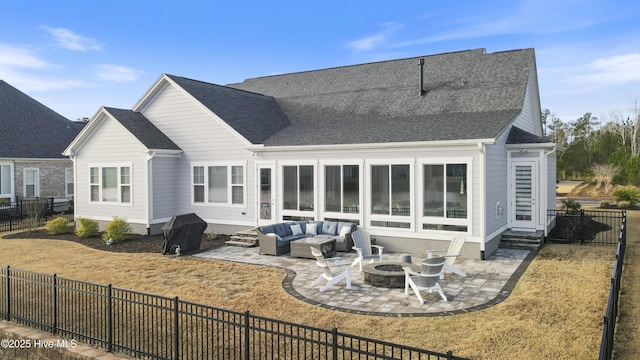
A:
[426,279]
[364,249]
[331,273]
[450,255]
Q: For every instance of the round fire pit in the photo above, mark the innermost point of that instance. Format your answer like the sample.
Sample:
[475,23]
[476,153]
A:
[384,274]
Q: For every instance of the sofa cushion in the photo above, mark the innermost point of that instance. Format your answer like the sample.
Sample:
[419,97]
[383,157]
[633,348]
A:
[329,227]
[344,230]
[278,237]
[280,229]
[296,229]
[311,229]
[338,239]
[342,224]
[289,238]
[318,226]
[267,229]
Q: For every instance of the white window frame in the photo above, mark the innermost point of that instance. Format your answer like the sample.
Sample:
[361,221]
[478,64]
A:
[119,184]
[230,184]
[35,184]
[371,217]
[8,195]
[69,179]
[322,185]
[443,220]
[281,190]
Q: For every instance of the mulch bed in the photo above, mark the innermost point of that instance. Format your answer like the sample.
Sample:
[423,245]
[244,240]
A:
[133,244]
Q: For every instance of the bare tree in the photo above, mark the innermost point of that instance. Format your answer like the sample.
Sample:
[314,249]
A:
[634,123]
[604,174]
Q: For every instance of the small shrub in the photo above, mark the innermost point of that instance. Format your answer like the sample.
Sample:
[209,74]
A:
[57,225]
[570,205]
[87,228]
[117,230]
[627,193]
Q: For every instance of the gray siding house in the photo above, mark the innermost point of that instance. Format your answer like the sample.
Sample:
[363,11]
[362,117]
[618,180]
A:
[32,139]
[414,150]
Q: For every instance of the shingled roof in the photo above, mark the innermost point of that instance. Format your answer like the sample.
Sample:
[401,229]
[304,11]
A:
[469,95]
[140,127]
[30,130]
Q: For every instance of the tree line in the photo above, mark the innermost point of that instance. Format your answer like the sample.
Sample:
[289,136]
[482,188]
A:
[606,150]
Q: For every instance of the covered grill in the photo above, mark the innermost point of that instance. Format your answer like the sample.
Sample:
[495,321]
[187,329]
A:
[183,233]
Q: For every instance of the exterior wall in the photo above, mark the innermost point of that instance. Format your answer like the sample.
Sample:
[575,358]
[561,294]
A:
[551,187]
[204,139]
[111,144]
[163,188]
[496,199]
[530,117]
[51,176]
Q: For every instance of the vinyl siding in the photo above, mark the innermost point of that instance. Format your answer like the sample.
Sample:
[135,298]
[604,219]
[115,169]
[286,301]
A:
[112,144]
[163,198]
[496,184]
[203,139]
[529,119]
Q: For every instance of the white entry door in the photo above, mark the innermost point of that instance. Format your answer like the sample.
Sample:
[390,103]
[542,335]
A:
[266,195]
[523,195]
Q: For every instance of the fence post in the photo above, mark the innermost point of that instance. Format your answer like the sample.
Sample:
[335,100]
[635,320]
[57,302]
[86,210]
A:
[335,343]
[450,355]
[109,319]
[176,324]
[246,335]
[8,293]
[55,305]
[581,227]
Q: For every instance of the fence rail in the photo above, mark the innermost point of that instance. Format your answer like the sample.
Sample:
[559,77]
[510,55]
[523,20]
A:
[611,314]
[595,227]
[156,327]
[32,213]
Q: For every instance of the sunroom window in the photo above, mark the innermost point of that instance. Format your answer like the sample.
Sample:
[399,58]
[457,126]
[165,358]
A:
[342,188]
[298,187]
[445,191]
[391,190]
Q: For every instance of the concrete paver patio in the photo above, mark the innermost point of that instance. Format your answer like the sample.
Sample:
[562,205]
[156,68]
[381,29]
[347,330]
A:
[488,282]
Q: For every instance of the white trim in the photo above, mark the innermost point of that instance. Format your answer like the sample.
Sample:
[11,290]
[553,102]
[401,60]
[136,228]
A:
[372,146]
[11,194]
[36,184]
[322,185]
[118,166]
[67,182]
[370,217]
[229,165]
[281,191]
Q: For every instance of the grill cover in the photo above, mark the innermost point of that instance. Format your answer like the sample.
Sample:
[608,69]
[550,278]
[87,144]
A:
[183,232]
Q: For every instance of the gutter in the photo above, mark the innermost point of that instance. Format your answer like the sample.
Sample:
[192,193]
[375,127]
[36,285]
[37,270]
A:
[370,146]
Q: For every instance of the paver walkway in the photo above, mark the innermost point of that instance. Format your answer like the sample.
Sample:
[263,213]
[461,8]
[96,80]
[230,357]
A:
[488,282]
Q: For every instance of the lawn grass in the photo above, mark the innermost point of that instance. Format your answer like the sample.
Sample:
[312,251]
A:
[555,311]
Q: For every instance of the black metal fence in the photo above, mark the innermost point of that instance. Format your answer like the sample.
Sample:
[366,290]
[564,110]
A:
[151,326]
[596,227]
[611,315]
[32,213]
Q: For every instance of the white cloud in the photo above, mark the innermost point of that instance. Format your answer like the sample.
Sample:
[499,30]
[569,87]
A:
[19,56]
[618,69]
[376,40]
[116,73]
[69,40]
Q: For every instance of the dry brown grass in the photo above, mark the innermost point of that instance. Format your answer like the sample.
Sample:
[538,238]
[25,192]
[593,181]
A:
[555,311]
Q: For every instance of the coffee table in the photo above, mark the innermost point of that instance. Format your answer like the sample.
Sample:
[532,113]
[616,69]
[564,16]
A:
[302,248]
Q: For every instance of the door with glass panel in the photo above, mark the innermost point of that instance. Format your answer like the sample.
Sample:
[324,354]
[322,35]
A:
[524,195]
[266,195]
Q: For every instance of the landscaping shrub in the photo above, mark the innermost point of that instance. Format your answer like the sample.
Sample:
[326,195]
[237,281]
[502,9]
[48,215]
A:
[87,228]
[116,230]
[571,205]
[627,194]
[58,225]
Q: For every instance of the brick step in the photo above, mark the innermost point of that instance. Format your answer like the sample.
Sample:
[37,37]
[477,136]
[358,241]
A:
[522,240]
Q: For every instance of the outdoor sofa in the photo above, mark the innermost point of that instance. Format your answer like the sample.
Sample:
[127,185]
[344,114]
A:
[275,239]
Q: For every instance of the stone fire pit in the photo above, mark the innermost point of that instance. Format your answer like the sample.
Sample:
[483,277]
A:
[385,274]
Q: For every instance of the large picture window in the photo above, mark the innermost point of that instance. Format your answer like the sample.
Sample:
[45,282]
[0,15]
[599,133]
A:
[445,190]
[298,187]
[110,184]
[342,188]
[391,190]
[218,184]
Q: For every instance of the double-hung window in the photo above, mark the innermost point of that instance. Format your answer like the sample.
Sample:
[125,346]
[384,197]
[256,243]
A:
[219,184]
[342,189]
[68,182]
[110,184]
[31,182]
[298,187]
[5,180]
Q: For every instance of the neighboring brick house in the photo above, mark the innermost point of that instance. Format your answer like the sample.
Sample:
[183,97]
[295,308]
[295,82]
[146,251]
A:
[32,139]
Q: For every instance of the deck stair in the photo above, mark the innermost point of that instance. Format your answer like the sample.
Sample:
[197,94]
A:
[522,240]
[244,238]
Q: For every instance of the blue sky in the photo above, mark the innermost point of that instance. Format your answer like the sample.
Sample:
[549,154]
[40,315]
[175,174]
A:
[75,56]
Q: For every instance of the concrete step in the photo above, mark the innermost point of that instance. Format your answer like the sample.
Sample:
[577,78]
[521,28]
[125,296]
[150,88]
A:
[522,240]
[241,243]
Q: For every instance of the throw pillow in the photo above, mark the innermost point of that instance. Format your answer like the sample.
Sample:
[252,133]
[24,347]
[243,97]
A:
[345,230]
[329,227]
[312,229]
[296,229]
[274,235]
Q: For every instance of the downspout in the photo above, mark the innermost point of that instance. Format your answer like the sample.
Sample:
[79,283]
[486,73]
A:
[75,189]
[482,147]
[546,189]
[149,209]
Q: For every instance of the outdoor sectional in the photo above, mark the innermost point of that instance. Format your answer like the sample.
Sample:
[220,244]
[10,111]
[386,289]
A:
[275,239]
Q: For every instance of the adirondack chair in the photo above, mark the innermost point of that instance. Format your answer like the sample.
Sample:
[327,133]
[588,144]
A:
[426,279]
[450,255]
[331,273]
[364,249]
